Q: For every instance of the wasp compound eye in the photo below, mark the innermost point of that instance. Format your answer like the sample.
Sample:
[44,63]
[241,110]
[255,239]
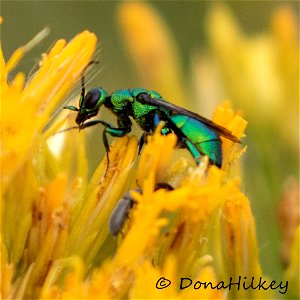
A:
[91,98]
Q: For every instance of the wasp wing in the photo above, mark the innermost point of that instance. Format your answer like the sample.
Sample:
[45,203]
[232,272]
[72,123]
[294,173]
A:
[146,99]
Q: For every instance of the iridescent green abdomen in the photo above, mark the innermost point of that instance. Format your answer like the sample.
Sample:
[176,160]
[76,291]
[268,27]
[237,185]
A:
[206,140]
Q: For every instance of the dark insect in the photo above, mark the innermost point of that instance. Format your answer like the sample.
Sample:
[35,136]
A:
[121,211]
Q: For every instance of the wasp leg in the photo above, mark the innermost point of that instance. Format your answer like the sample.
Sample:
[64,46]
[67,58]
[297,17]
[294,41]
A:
[160,116]
[113,131]
[197,155]
[106,145]
[110,129]
[192,148]
[142,141]
[184,142]
[163,185]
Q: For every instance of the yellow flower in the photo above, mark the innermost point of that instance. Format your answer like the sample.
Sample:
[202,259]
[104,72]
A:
[33,206]
[28,107]
[166,235]
[259,73]
[56,243]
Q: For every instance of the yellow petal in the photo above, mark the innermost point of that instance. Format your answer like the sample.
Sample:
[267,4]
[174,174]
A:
[27,109]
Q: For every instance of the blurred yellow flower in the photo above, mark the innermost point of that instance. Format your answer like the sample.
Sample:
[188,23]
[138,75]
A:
[259,72]
[152,48]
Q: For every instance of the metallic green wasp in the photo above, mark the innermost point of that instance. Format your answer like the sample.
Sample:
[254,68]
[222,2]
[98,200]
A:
[199,135]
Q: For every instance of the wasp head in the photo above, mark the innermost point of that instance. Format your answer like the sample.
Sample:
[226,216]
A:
[89,105]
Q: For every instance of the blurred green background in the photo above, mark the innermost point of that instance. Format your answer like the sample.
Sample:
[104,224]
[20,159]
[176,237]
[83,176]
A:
[269,160]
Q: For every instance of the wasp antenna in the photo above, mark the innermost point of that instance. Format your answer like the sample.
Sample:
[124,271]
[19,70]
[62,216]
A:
[65,129]
[92,62]
[82,76]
